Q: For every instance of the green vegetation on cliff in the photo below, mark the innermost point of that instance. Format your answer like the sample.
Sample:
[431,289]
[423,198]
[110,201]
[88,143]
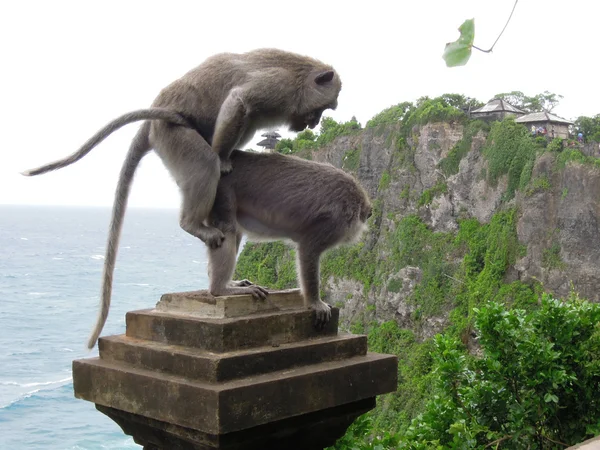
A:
[510,151]
[475,385]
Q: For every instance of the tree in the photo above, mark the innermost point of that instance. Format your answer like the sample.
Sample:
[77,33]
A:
[461,102]
[546,101]
[589,127]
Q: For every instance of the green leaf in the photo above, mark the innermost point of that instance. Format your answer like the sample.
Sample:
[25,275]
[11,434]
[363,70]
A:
[550,398]
[457,53]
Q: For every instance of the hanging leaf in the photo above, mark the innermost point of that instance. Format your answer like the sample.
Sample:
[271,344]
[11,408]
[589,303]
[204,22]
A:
[457,53]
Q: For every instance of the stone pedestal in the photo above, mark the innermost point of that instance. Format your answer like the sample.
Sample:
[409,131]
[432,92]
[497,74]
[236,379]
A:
[204,373]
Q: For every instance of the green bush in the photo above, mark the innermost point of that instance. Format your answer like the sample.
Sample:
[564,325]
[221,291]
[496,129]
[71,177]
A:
[509,150]
[392,115]
[351,160]
[534,387]
[429,194]
[449,165]
[330,129]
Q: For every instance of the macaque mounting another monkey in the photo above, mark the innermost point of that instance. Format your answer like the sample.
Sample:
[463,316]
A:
[272,197]
[219,104]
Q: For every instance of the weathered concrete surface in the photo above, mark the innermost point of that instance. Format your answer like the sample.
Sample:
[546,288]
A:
[307,432]
[196,364]
[234,405]
[222,335]
[265,380]
[203,304]
[590,444]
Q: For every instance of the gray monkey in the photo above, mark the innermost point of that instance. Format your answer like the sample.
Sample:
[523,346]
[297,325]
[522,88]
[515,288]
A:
[272,197]
[219,104]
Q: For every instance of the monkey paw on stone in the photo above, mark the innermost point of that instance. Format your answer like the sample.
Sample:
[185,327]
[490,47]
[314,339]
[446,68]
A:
[322,314]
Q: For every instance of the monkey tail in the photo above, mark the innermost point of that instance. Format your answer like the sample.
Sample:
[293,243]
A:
[134,116]
[138,149]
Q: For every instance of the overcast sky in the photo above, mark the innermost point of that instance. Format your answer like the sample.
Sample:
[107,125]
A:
[68,68]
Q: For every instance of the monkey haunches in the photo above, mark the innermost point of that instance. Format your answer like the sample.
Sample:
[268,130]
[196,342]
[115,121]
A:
[271,197]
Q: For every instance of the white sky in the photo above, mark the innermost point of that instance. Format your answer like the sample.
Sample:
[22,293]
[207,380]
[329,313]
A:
[69,67]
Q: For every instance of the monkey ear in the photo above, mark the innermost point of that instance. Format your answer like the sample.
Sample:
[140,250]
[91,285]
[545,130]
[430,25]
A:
[324,77]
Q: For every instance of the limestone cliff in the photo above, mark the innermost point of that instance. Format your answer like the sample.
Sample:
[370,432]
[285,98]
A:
[557,214]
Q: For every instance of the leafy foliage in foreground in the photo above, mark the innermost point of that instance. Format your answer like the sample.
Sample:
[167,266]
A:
[534,386]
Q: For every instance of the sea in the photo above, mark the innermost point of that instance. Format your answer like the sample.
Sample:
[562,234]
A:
[51,262]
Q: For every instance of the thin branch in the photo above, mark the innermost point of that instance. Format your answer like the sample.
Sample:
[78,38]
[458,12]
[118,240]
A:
[507,22]
[455,279]
[556,442]
[497,441]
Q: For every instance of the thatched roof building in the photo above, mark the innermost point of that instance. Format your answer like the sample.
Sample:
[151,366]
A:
[496,109]
[555,126]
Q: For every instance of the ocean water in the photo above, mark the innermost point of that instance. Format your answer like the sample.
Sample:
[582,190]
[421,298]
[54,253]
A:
[50,267]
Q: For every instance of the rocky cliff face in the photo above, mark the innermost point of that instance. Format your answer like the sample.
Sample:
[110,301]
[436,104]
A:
[560,224]
[558,213]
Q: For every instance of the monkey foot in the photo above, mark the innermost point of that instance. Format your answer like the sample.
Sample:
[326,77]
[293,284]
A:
[322,314]
[212,237]
[226,167]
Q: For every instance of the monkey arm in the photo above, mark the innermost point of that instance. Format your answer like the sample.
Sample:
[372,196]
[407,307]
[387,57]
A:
[229,128]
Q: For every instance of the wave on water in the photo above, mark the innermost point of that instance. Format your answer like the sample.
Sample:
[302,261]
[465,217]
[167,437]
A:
[41,387]
[97,257]
[57,258]
[22,353]
[24,239]
[40,383]
[19,399]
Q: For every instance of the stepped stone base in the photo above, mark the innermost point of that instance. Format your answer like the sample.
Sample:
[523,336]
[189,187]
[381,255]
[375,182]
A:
[199,372]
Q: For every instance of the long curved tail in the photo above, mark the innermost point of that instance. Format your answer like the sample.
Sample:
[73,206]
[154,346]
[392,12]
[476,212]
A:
[139,147]
[134,116]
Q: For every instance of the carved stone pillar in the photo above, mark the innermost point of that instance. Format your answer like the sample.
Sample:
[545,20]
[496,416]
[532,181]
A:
[204,373]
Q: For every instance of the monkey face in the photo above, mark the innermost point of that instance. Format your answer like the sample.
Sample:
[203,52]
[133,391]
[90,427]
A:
[310,120]
[313,119]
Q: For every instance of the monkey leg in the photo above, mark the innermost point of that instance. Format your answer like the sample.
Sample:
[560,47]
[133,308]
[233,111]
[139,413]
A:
[308,262]
[244,282]
[221,264]
[194,210]
[195,168]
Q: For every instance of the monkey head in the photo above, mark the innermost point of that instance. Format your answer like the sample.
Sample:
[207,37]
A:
[320,94]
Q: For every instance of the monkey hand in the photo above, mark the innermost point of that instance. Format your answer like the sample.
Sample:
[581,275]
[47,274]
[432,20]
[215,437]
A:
[226,166]
[322,314]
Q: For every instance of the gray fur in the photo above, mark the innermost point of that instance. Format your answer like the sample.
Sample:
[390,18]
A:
[272,197]
[219,104]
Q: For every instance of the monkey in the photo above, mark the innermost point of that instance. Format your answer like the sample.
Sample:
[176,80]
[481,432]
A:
[269,196]
[216,107]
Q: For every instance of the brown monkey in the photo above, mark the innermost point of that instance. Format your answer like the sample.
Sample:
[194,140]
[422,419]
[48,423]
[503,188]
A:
[219,104]
[271,197]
